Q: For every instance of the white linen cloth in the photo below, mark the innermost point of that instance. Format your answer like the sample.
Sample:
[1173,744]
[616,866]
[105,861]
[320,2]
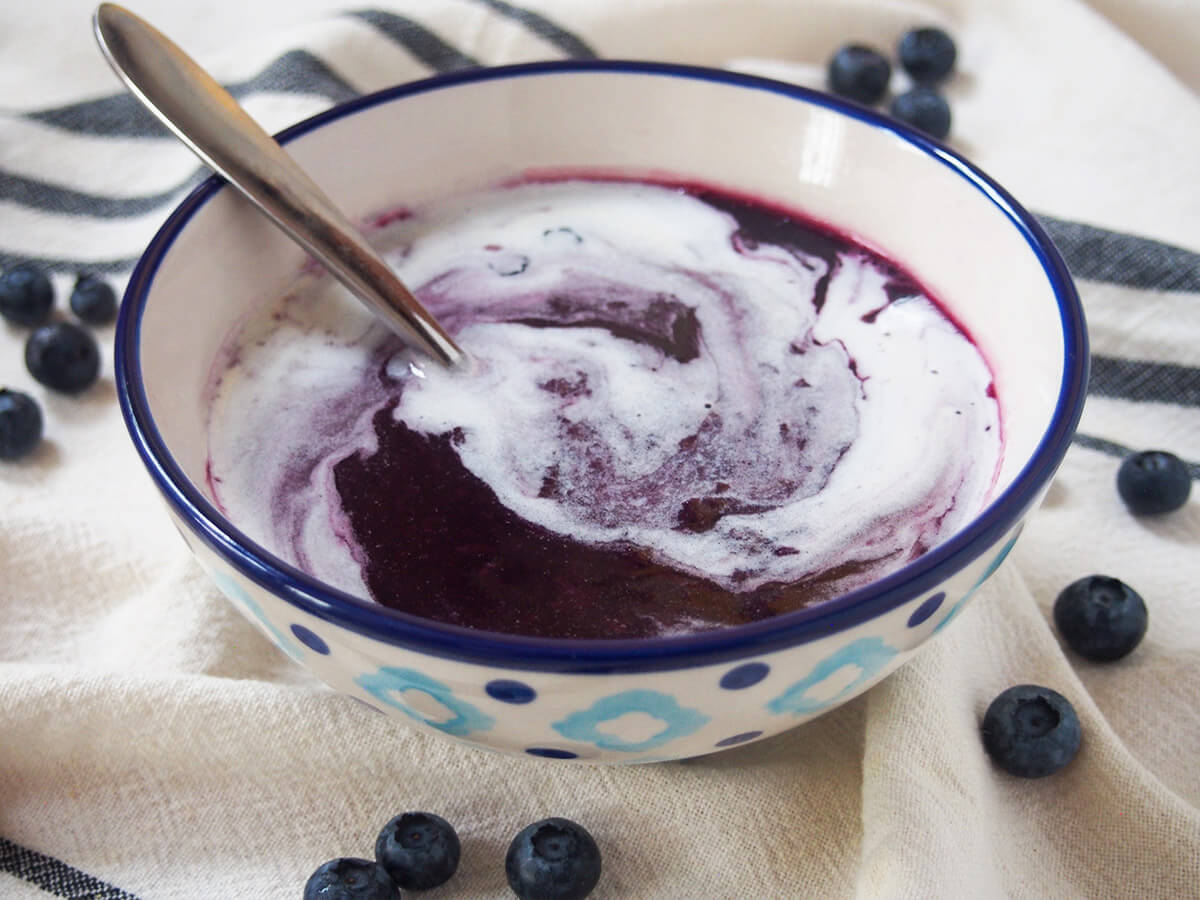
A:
[153,745]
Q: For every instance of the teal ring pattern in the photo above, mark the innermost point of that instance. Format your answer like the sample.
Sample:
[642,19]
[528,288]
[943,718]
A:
[869,655]
[389,683]
[584,726]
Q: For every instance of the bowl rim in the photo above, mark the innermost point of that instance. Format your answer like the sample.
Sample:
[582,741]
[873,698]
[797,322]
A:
[599,655]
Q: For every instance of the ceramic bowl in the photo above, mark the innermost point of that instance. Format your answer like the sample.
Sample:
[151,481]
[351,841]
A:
[636,700]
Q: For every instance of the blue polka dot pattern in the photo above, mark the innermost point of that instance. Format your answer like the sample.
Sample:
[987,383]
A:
[868,655]
[507,691]
[926,609]
[739,739]
[310,640]
[551,753]
[744,676]
[391,685]
[585,726]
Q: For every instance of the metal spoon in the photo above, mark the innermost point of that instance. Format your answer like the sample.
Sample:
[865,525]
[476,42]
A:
[207,119]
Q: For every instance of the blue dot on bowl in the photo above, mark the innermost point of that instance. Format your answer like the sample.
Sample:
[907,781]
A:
[507,691]
[926,609]
[744,676]
[551,753]
[310,640]
[739,738]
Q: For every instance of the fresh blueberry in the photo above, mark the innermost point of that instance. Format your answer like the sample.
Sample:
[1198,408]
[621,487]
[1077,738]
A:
[63,356]
[93,300]
[1031,731]
[1154,482]
[927,54]
[350,879]
[1101,618]
[554,859]
[419,850]
[20,424]
[860,73]
[26,295]
[924,109]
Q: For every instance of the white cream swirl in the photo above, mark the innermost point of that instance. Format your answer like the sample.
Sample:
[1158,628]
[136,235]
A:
[644,371]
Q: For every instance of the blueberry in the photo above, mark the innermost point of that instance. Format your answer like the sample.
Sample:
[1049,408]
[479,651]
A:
[26,295]
[1101,618]
[350,879]
[860,73]
[1031,731]
[20,424]
[93,300]
[927,54]
[419,850]
[924,109]
[63,356]
[554,859]
[1154,482]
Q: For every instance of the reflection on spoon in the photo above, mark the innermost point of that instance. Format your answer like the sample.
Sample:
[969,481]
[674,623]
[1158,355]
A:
[207,119]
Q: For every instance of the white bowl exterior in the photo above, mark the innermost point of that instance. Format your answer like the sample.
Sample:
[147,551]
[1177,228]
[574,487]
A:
[856,176]
[605,718]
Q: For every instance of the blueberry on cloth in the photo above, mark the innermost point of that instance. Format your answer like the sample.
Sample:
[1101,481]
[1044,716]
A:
[554,859]
[419,850]
[1101,618]
[350,879]
[93,300]
[924,109]
[63,356]
[860,73]
[26,295]
[1153,482]
[927,54]
[1031,731]
[20,424]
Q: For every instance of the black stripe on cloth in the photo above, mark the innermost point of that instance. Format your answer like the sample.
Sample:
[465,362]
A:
[1120,451]
[1096,254]
[571,44]
[423,44]
[295,72]
[68,264]
[54,876]
[1144,381]
[34,194]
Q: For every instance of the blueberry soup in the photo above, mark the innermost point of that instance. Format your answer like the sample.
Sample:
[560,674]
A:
[685,409]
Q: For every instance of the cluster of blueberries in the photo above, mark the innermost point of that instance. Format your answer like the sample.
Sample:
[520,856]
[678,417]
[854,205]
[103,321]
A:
[552,859]
[1033,731]
[61,355]
[862,74]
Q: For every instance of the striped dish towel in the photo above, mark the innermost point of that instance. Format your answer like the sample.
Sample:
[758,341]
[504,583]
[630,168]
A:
[153,746]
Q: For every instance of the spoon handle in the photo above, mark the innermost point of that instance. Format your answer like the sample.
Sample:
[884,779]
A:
[207,119]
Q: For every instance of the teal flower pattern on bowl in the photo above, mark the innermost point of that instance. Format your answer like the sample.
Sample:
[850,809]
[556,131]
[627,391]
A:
[987,573]
[435,703]
[241,597]
[585,726]
[868,655]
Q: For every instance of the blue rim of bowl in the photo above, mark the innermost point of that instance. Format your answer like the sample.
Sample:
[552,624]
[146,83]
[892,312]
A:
[625,655]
